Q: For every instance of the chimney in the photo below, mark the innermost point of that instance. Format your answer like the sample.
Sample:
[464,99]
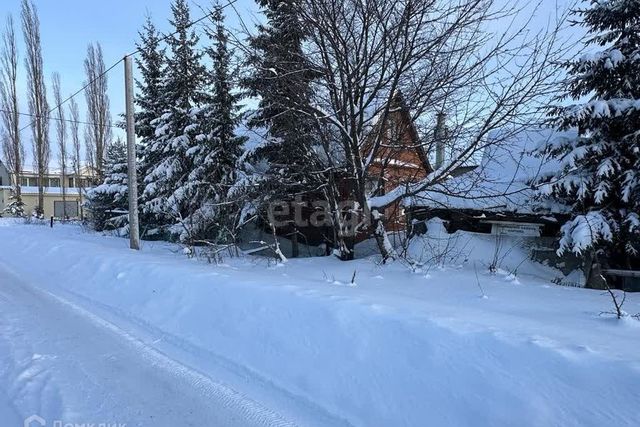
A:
[440,136]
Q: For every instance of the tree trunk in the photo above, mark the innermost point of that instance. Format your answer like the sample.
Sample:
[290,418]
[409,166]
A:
[344,243]
[40,210]
[382,239]
[346,248]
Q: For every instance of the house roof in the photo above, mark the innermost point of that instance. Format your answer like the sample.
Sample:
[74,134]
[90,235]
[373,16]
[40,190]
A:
[85,172]
[398,108]
[30,191]
[502,182]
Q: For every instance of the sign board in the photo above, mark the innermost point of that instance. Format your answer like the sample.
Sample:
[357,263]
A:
[516,229]
[71,209]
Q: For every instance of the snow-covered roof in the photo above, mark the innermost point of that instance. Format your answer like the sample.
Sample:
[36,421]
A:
[56,172]
[48,190]
[502,182]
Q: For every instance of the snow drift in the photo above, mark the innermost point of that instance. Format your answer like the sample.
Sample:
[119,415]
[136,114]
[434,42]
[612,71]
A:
[398,349]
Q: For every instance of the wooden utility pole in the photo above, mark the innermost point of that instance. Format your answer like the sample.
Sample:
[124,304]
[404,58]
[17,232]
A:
[134,226]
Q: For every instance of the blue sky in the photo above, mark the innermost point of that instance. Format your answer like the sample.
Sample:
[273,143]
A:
[67,27]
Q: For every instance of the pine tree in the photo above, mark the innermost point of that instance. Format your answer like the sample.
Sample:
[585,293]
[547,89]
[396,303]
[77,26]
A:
[216,157]
[600,176]
[167,193]
[281,78]
[108,202]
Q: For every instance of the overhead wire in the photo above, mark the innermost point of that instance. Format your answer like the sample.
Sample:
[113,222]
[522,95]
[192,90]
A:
[104,73]
[57,119]
[74,94]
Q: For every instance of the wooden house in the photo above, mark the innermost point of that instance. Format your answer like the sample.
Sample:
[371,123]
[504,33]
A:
[400,159]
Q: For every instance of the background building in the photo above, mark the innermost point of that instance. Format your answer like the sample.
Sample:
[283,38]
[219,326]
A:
[69,206]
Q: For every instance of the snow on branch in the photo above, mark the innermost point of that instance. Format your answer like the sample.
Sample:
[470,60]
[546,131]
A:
[583,232]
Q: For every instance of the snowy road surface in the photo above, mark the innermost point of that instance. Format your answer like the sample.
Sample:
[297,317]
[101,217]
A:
[65,364]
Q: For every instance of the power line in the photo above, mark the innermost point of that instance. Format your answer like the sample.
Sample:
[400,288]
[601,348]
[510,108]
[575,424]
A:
[59,120]
[191,24]
[75,93]
[163,39]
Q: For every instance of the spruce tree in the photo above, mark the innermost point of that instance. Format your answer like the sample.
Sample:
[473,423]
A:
[15,206]
[216,157]
[151,104]
[108,202]
[224,107]
[281,78]
[600,175]
[150,62]
[167,193]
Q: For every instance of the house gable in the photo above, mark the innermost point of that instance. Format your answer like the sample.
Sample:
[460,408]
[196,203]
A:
[400,156]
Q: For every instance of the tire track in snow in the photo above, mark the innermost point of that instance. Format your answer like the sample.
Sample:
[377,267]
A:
[153,335]
[248,410]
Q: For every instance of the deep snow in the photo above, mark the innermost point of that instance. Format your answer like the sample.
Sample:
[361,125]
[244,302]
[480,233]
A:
[400,347]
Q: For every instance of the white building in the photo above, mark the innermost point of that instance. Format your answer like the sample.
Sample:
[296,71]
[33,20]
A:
[55,204]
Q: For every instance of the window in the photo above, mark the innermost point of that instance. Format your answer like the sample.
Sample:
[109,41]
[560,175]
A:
[24,181]
[33,182]
[54,182]
[71,183]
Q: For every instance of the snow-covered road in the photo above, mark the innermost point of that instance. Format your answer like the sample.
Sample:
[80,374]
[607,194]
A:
[63,363]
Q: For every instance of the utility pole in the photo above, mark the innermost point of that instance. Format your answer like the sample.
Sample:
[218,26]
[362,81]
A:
[134,226]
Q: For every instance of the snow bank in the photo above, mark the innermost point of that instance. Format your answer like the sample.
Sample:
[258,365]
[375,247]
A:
[398,349]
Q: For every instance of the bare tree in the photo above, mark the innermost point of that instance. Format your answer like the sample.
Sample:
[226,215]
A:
[12,146]
[98,131]
[76,149]
[38,106]
[438,57]
[61,131]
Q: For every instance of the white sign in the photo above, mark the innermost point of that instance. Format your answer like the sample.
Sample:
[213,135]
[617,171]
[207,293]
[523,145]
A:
[516,229]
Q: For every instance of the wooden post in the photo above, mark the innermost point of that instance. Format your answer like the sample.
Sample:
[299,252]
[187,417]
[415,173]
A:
[295,248]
